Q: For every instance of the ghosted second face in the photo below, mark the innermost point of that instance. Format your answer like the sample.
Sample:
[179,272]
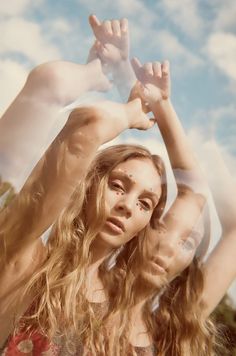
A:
[171,247]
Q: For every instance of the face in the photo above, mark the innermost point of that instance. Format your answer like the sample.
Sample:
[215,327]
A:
[172,247]
[132,193]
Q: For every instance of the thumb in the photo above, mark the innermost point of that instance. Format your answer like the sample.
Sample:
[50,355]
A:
[136,66]
[149,123]
[146,123]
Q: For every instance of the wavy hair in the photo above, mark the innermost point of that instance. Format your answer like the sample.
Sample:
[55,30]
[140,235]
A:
[59,306]
[173,312]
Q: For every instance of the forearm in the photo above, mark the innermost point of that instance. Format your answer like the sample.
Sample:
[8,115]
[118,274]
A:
[50,186]
[220,266]
[26,124]
[124,78]
[179,150]
[223,188]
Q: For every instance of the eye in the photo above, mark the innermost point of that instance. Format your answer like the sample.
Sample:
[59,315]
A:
[146,205]
[189,244]
[116,185]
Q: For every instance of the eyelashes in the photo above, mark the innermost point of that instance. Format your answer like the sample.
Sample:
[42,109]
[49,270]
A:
[189,244]
[120,189]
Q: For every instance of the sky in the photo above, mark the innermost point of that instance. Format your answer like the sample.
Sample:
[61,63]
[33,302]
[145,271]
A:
[198,38]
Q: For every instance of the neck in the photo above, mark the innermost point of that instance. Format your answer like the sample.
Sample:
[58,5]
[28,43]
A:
[99,250]
[143,292]
[95,290]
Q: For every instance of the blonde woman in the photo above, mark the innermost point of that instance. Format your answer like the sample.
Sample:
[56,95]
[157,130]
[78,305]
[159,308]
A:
[46,290]
[166,312]
[62,277]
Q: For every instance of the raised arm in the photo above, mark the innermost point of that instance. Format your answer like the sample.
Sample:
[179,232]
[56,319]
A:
[112,46]
[220,265]
[155,88]
[65,163]
[28,121]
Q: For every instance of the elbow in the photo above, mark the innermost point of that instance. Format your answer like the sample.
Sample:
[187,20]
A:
[45,83]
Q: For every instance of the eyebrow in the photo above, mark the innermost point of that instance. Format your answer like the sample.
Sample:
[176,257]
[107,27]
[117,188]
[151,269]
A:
[129,179]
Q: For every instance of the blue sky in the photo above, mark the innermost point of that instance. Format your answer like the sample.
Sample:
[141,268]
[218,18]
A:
[198,37]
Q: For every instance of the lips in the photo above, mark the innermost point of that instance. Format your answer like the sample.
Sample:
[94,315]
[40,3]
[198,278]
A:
[159,265]
[115,225]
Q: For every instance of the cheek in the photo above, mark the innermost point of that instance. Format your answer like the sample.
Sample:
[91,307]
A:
[183,262]
[111,198]
[141,220]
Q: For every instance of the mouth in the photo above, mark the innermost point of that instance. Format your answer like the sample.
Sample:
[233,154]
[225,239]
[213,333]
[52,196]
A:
[158,265]
[115,225]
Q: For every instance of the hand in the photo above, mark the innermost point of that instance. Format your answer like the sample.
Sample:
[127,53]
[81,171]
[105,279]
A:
[99,80]
[154,80]
[112,43]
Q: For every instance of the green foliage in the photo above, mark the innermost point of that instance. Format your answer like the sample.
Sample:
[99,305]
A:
[8,189]
[225,317]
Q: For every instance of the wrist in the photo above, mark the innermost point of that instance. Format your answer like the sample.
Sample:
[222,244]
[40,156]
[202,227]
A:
[93,72]
[160,105]
[122,70]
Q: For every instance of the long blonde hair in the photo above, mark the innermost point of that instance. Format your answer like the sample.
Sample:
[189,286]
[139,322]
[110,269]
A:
[175,322]
[59,304]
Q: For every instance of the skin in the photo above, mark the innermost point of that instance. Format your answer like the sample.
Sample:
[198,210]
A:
[81,140]
[112,47]
[172,253]
[36,109]
[130,198]
[76,146]
[171,248]
[133,191]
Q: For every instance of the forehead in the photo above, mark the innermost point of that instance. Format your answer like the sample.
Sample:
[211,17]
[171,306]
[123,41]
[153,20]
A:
[141,172]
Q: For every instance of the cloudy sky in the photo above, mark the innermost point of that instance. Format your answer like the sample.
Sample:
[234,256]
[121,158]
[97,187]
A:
[197,36]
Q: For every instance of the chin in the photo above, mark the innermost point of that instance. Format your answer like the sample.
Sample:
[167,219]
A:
[151,281]
[110,241]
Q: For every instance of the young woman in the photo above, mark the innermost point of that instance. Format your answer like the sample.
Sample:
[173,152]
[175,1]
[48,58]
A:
[169,292]
[91,217]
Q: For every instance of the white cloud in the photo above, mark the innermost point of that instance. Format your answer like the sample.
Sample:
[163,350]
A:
[13,7]
[60,26]
[185,15]
[225,15]
[221,49]
[13,76]
[122,8]
[26,38]
[175,51]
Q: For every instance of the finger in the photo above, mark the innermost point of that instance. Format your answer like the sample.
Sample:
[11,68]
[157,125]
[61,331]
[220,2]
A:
[94,22]
[145,107]
[165,68]
[157,69]
[102,53]
[106,25]
[92,53]
[146,123]
[115,24]
[124,26]
[147,67]
[151,123]
[136,66]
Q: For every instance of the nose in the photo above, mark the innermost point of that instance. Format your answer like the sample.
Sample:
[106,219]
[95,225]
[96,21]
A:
[125,206]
